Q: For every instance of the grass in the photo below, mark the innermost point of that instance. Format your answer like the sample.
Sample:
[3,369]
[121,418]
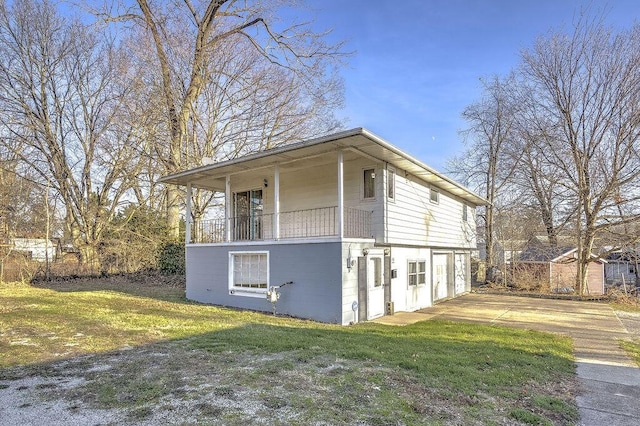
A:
[632,306]
[145,350]
[632,347]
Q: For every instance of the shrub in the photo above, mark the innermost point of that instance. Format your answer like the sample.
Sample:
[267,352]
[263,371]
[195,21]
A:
[171,258]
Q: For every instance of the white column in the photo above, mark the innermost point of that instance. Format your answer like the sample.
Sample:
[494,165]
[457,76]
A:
[227,208]
[340,195]
[187,216]
[276,203]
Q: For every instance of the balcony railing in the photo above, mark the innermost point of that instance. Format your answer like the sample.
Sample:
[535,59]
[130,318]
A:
[320,222]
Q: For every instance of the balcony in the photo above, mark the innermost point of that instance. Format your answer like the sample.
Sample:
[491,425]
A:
[311,223]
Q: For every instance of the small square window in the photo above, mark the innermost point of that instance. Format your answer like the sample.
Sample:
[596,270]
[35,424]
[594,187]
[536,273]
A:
[434,195]
[369,176]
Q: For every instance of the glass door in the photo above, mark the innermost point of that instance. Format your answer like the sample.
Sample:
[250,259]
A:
[248,215]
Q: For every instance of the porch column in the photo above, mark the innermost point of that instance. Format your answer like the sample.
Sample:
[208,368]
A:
[227,209]
[276,202]
[340,195]
[187,216]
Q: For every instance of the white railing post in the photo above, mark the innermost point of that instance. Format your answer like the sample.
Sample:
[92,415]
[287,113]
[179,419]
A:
[187,216]
[227,209]
[340,195]
[276,203]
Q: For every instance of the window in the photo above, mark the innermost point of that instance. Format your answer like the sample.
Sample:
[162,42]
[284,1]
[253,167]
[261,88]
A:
[464,212]
[434,195]
[248,273]
[369,183]
[417,272]
[377,271]
[391,184]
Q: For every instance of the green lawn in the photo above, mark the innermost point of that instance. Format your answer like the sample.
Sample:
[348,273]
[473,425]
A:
[157,345]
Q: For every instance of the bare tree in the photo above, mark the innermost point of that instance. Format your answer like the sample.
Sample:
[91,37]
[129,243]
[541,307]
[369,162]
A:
[487,164]
[229,79]
[60,94]
[585,94]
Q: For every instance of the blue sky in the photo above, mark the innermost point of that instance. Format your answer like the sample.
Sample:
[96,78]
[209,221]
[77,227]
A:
[417,63]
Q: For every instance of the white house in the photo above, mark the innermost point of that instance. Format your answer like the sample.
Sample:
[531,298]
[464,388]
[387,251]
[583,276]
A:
[358,227]
[39,249]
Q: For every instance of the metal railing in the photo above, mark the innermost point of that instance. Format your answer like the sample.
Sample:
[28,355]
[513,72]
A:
[320,222]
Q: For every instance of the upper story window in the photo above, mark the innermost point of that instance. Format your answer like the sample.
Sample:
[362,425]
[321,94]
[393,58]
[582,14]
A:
[434,195]
[391,184]
[369,187]
[465,214]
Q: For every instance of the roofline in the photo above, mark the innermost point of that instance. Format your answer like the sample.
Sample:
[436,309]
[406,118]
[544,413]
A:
[325,139]
[380,141]
[267,153]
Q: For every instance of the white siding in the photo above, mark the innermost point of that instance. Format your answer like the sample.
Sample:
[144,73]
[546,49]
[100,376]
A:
[350,281]
[414,219]
[404,296]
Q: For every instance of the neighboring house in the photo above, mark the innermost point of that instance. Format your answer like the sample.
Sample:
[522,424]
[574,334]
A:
[557,266]
[357,226]
[36,248]
[621,267]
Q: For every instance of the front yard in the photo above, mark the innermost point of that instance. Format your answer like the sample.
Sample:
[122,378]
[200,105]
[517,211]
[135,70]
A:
[114,351]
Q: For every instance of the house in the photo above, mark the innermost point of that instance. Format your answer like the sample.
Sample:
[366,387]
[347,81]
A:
[39,249]
[622,266]
[356,226]
[557,268]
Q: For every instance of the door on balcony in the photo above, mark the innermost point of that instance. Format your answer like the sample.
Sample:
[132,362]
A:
[247,222]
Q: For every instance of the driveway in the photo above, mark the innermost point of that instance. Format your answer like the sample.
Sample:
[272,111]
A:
[610,380]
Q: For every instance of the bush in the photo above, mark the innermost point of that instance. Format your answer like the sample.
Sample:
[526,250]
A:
[171,258]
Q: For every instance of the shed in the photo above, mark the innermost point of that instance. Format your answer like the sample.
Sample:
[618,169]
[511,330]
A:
[558,267]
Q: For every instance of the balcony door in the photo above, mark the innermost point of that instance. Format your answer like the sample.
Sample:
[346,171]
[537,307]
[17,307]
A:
[247,215]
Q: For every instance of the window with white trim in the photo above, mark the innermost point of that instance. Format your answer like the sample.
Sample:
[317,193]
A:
[391,184]
[417,272]
[465,214]
[369,180]
[434,195]
[249,273]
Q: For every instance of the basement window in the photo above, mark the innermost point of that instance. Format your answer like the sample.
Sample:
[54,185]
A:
[249,273]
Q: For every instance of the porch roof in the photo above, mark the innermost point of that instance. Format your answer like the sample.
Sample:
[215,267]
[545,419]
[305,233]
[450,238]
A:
[359,141]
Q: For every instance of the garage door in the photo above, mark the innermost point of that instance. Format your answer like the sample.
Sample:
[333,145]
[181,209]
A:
[460,273]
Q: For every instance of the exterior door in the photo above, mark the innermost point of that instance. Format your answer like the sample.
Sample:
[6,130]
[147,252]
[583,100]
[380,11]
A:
[248,215]
[375,287]
[460,273]
[440,276]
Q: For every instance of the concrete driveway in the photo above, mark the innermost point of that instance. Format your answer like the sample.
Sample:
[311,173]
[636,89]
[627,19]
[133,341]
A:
[610,380]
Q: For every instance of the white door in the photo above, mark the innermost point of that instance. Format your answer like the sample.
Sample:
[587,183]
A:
[375,287]
[461,273]
[440,279]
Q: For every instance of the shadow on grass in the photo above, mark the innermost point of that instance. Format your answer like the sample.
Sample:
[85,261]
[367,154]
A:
[350,373]
[154,285]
